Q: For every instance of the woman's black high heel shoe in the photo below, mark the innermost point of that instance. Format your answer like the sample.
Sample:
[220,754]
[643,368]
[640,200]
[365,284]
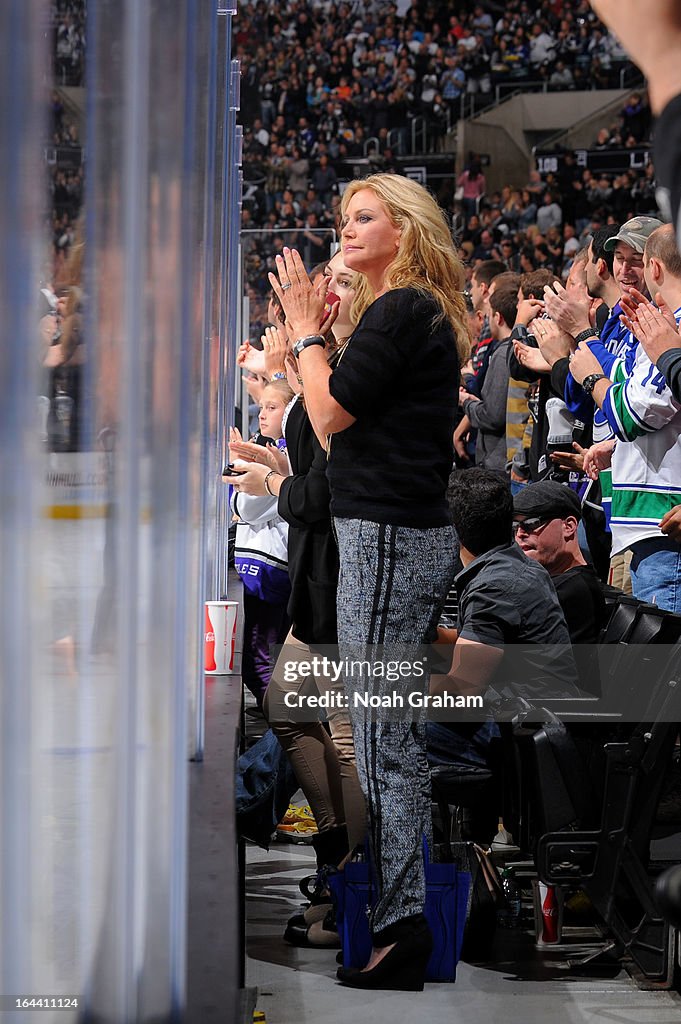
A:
[402,969]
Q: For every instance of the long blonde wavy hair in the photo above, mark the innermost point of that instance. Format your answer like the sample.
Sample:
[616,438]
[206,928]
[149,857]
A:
[426,258]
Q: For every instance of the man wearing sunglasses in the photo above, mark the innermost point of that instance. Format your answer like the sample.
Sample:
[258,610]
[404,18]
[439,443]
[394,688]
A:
[546,518]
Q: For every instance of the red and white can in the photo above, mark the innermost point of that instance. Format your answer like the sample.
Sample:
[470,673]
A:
[219,637]
[548,913]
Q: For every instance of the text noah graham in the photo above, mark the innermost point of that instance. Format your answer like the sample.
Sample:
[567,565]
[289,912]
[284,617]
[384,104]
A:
[358,699]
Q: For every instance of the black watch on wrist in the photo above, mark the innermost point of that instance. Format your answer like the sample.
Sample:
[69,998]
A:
[309,339]
[589,383]
[590,334]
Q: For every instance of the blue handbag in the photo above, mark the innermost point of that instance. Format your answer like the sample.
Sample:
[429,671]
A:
[447,891]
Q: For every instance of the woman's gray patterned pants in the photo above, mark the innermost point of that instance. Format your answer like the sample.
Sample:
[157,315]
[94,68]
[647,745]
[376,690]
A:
[392,585]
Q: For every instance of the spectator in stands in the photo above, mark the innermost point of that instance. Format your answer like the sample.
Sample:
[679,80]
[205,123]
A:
[535,185]
[298,173]
[542,46]
[487,414]
[473,184]
[546,516]
[644,192]
[575,314]
[527,364]
[561,77]
[603,140]
[567,42]
[549,214]
[481,279]
[520,48]
[452,82]
[392,232]
[505,599]
[482,23]
[636,117]
[644,415]
[484,250]
[324,180]
[476,65]
[528,210]
[570,242]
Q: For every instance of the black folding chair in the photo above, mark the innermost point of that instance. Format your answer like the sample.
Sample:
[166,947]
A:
[610,860]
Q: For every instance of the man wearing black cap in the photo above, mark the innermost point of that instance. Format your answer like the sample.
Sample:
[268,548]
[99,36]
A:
[506,602]
[546,516]
[508,609]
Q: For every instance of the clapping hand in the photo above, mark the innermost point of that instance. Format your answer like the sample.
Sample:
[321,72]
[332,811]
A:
[574,461]
[583,363]
[571,309]
[654,326]
[465,395]
[275,348]
[250,358]
[598,457]
[527,310]
[554,343]
[302,304]
[248,451]
[531,358]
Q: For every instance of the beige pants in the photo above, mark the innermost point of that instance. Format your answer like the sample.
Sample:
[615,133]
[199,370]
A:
[619,575]
[324,764]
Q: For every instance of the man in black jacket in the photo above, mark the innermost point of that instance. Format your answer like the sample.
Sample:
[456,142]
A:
[511,638]
[546,517]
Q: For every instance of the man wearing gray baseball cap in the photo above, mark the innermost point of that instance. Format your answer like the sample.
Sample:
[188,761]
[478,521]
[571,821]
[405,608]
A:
[634,233]
[628,245]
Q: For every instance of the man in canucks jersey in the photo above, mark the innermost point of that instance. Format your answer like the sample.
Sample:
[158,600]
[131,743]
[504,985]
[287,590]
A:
[614,264]
[646,421]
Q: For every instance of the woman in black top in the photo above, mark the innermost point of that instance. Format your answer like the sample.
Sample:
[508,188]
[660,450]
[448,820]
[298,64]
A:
[389,406]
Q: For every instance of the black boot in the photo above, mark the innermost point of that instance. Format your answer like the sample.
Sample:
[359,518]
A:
[331,846]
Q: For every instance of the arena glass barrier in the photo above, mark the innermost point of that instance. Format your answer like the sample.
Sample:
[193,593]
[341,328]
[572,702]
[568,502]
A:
[107,545]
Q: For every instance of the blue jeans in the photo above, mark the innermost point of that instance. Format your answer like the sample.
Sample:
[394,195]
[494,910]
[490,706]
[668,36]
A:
[656,572]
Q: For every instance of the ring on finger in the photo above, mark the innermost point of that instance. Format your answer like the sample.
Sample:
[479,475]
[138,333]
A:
[286,286]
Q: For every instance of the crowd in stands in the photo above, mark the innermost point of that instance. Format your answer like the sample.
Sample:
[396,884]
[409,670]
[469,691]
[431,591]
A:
[561,385]
[68,41]
[568,456]
[328,83]
[61,342]
[567,470]
[66,177]
[63,148]
[359,70]
[318,82]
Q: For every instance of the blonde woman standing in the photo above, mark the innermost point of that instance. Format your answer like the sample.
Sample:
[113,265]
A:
[388,407]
